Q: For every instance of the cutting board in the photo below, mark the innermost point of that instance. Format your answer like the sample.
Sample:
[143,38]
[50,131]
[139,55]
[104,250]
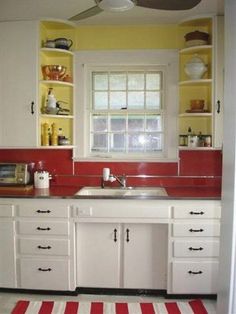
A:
[16,188]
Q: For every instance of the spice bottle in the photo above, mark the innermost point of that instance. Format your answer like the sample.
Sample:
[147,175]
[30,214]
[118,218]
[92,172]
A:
[54,136]
[45,138]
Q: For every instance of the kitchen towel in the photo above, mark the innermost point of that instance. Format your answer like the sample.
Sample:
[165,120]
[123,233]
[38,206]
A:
[71,307]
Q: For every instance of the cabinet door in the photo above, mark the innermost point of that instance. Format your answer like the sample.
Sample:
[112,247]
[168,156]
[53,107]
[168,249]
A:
[18,83]
[145,256]
[7,255]
[98,248]
[219,80]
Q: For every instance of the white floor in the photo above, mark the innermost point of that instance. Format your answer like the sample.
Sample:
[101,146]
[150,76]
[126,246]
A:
[8,300]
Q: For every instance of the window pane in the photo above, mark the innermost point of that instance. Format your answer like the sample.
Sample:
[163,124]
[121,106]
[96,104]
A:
[135,100]
[153,81]
[117,142]
[99,123]
[118,123]
[153,100]
[100,81]
[117,81]
[100,100]
[117,100]
[136,142]
[153,123]
[99,142]
[135,81]
[153,142]
[135,123]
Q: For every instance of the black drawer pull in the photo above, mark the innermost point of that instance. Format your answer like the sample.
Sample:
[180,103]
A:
[43,211]
[195,249]
[196,230]
[44,247]
[127,235]
[196,213]
[115,235]
[195,272]
[43,229]
[44,269]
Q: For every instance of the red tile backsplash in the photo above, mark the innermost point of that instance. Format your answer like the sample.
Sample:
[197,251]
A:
[196,168]
[200,163]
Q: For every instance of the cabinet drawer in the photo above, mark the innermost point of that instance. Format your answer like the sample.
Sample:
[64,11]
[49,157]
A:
[196,211]
[204,248]
[43,210]
[43,227]
[44,274]
[43,246]
[194,277]
[196,229]
[6,210]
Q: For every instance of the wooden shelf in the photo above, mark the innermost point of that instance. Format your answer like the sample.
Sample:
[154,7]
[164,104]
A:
[56,52]
[196,49]
[195,82]
[52,82]
[56,116]
[196,115]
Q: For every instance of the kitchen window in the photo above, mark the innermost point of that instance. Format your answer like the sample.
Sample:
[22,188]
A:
[127,112]
[126,105]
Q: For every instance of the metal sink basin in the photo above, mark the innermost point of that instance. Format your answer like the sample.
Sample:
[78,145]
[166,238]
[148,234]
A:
[136,191]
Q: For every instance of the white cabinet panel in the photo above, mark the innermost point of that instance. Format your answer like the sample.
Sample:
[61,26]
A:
[194,248]
[98,249]
[194,277]
[43,227]
[7,255]
[201,229]
[44,274]
[41,246]
[18,83]
[43,210]
[145,256]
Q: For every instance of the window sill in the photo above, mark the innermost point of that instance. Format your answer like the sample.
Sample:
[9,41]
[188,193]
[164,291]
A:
[112,159]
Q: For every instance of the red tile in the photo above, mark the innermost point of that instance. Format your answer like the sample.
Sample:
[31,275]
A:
[56,161]
[128,168]
[200,163]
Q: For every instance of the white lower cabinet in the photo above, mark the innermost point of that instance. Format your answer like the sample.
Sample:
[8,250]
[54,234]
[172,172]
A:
[119,255]
[194,247]
[45,245]
[7,252]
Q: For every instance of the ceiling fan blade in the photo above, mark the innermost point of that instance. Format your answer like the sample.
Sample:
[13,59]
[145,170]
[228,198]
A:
[168,4]
[87,13]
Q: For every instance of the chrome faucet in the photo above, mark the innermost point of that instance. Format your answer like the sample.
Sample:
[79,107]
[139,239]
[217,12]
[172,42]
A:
[107,176]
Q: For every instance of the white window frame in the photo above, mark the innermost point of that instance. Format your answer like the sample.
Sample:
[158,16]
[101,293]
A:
[86,61]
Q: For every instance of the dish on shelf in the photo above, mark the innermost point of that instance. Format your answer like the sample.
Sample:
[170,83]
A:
[53,72]
[197,104]
[196,38]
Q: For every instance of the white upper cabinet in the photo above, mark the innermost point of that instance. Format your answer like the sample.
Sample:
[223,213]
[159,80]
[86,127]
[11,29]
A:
[18,83]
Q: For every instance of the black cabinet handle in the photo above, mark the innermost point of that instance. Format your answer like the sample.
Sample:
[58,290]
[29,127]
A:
[218,106]
[43,229]
[195,272]
[43,211]
[127,235]
[196,230]
[44,269]
[32,107]
[115,235]
[44,247]
[196,213]
[195,249]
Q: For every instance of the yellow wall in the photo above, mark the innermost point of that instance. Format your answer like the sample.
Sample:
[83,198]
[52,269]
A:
[127,37]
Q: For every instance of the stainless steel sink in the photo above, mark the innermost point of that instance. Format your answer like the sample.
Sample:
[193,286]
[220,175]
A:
[134,191]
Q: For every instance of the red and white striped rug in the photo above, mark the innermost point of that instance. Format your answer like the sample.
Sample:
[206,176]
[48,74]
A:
[71,307]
